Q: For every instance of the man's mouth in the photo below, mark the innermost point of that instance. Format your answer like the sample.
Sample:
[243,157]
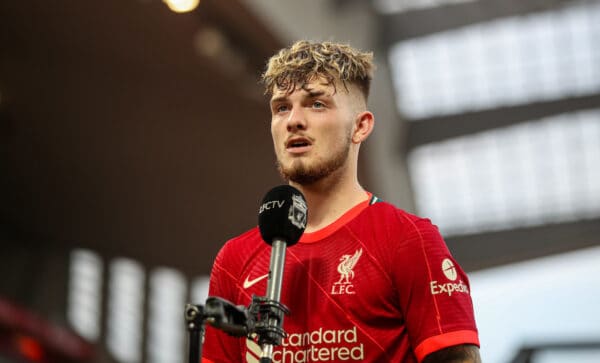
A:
[297,144]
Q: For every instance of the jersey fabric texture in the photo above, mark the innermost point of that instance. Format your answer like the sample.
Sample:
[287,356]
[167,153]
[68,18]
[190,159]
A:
[377,285]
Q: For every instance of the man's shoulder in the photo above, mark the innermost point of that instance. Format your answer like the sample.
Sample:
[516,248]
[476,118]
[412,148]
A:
[246,240]
[387,216]
[238,250]
[382,208]
[249,235]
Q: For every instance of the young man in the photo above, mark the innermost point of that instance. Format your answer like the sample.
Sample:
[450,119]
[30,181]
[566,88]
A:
[367,282]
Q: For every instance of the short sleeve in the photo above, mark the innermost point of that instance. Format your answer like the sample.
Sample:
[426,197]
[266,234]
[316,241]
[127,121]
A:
[433,290]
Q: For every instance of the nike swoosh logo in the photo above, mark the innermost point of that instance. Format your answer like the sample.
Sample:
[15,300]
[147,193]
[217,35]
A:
[248,283]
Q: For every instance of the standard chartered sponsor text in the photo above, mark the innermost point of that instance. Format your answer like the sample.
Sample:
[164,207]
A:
[320,346]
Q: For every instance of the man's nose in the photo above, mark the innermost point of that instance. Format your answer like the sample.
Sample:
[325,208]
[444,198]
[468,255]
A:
[297,120]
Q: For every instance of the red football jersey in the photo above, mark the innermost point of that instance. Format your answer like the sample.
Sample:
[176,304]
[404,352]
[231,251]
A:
[377,285]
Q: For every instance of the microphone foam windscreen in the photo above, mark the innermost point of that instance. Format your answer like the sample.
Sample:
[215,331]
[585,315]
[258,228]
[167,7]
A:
[283,214]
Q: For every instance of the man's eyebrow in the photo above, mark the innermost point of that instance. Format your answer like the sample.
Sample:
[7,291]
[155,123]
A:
[310,93]
[278,99]
[317,93]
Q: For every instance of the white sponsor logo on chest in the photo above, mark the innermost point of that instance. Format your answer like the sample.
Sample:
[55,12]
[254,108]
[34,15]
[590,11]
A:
[249,283]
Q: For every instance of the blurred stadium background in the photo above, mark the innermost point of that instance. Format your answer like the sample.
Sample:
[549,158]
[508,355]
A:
[134,141]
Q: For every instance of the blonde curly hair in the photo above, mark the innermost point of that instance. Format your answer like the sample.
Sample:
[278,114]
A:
[304,61]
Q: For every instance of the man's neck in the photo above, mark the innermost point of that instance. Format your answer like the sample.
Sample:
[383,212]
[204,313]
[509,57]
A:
[329,199]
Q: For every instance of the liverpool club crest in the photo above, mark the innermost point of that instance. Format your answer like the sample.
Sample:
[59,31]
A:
[346,270]
[297,212]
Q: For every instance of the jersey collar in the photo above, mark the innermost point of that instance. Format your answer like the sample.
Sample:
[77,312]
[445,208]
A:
[338,223]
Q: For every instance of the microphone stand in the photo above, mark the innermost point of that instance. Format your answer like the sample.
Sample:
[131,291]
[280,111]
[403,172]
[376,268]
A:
[262,318]
[219,313]
[194,318]
[274,333]
[282,216]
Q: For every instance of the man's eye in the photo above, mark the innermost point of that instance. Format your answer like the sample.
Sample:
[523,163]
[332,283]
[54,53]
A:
[281,108]
[318,104]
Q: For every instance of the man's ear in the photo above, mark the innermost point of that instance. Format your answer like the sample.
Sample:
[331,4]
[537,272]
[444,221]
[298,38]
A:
[364,123]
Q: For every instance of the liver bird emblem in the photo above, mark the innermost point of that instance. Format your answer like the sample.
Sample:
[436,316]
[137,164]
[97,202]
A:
[346,266]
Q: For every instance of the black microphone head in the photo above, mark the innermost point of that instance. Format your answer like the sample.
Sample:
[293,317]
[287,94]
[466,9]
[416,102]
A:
[282,214]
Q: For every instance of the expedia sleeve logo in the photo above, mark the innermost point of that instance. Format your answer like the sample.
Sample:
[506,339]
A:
[297,212]
[449,288]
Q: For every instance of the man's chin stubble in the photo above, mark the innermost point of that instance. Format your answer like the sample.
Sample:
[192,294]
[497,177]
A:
[304,175]
[300,175]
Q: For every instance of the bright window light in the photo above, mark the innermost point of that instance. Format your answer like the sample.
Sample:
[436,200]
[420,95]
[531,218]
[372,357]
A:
[517,60]
[567,355]
[85,293]
[396,6]
[200,290]
[125,310]
[166,329]
[534,173]
[542,301]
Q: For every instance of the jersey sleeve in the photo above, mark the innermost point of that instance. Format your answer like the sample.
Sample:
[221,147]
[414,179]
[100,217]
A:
[433,290]
[219,347]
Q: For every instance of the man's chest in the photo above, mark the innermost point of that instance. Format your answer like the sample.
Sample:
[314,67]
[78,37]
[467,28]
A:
[327,284]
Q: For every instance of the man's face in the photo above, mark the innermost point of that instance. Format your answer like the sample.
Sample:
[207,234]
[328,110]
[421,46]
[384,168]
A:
[312,130]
